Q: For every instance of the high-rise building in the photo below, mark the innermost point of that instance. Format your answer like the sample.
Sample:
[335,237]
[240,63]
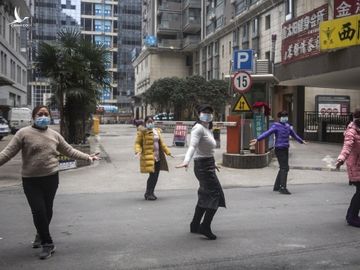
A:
[13,54]
[48,18]
[99,24]
[129,45]
[171,31]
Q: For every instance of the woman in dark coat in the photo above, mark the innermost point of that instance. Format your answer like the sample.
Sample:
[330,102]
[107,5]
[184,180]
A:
[210,193]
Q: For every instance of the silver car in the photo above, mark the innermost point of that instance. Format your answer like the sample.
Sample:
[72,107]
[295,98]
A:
[4,128]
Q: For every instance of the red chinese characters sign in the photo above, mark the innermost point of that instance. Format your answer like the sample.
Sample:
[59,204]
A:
[300,36]
[344,8]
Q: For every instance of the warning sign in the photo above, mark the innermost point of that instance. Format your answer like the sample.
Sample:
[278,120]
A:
[242,105]
[180,133]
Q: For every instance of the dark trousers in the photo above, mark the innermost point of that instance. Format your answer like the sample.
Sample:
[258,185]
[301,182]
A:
[355,202]
[282,155]
[40,193]
[153,178]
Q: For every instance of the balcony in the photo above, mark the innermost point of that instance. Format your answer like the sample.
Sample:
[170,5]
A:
[192,25]
[168,27]
[170,43]
[191,42]
[192,4]
[172,6]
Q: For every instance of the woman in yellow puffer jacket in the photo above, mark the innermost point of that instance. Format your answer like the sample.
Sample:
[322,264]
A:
[150,147]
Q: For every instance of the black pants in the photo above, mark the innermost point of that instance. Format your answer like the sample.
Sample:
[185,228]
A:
[153,178]
[40,193]
[355,202]
[282,155]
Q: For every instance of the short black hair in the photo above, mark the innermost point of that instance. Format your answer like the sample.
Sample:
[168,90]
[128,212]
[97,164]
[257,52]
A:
[282,114]
[38,108]
[203,107]
[148,117]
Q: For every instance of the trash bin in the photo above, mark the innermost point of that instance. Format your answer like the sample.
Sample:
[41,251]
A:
[216,133]
[322,131]
[96,125]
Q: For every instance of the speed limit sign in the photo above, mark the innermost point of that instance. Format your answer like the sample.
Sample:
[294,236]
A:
[242,82]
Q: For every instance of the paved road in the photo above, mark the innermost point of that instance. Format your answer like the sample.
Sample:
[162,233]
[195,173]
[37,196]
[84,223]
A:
[102,222]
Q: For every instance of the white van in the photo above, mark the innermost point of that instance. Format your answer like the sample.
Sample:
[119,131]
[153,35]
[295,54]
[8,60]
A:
[18,118]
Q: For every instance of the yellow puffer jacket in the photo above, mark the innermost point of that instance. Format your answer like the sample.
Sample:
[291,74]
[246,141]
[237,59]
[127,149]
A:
[144,144]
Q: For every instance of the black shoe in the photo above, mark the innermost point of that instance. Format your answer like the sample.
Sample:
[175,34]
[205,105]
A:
[47,251]
[276,188]
[194,228]
[150,197]
[204,230]
[284,191]
[37,242]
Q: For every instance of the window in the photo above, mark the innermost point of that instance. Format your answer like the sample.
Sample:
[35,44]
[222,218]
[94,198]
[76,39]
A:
[289,9]
[222,51]
[18,74]
[229,47]
[12,70]
[267,55]
[255,27]
[267,22]
[24,77]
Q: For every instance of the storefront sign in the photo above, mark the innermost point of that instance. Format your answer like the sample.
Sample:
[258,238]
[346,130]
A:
[340,33]
[258,124]
[300,36]
[343,8]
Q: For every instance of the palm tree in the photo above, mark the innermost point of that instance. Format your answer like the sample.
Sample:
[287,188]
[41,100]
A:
[77,70]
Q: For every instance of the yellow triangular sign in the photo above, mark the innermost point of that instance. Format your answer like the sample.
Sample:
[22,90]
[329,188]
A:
[242,105]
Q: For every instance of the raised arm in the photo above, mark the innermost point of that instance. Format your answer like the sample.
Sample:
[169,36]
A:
[266,134]
[348,144]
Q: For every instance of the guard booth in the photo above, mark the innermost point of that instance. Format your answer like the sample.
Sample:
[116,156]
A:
[253,91]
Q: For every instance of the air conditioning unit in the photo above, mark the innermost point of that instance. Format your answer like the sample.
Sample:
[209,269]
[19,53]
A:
[212,16]
[232,1]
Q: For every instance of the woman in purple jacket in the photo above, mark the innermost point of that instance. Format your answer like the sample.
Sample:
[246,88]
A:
[282,131]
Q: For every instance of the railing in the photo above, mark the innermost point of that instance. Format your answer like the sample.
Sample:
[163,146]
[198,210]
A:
[335,122]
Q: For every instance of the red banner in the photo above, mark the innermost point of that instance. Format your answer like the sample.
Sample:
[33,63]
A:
[300,36]
[180,133]
[344,8]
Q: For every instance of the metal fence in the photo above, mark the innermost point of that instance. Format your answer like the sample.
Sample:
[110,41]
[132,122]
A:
[331,122]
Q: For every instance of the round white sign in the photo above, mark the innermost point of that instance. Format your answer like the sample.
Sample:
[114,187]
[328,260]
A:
[242,82]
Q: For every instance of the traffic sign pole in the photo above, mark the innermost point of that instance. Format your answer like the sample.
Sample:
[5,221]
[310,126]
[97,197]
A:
[242,115]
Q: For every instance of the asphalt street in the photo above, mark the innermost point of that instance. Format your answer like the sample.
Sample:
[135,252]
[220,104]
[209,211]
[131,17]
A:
[101,220]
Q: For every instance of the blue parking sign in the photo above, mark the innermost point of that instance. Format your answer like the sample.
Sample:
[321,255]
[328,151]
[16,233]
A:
[243,60]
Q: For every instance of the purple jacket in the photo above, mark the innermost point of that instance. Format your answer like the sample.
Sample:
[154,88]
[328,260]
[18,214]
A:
[282,132]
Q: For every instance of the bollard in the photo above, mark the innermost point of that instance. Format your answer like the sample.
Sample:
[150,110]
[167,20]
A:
[96,125]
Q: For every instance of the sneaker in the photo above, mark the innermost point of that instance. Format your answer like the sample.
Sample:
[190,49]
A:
[37,242]
[47,251]
[284,191]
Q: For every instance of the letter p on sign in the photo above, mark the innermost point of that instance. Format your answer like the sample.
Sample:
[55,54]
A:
[243,60]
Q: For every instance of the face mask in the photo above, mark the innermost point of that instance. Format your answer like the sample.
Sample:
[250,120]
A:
[150,125]
[284,119]
[42,121]
[206,117]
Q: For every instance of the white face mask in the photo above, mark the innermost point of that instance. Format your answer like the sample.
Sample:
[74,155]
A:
[284,119]
[150,125]
[206,117]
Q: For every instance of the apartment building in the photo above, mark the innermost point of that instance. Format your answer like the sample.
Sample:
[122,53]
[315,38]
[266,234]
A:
[170,32]
[49,17]
[129,46]
[99,24]
[13,54]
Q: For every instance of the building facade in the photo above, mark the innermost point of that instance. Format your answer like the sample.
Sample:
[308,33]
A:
[99,24]
[171,31]
[129,46]
[13,55]
[49,17]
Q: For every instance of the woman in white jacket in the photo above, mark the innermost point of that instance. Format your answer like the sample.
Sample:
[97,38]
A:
[210,193]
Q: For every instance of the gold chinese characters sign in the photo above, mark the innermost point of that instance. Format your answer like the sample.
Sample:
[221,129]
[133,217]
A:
[340,33]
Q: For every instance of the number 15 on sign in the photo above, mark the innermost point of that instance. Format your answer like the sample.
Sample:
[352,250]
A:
[242,82]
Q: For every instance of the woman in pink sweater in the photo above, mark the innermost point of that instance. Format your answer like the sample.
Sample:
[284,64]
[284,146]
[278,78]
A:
[39,147]
[351,154]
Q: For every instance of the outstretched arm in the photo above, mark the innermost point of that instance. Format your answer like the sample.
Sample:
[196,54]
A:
[196,135]
[11,149]
[295,136]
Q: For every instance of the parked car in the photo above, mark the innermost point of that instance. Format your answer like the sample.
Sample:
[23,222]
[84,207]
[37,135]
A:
[4,128]
[164,117]
[19,118]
